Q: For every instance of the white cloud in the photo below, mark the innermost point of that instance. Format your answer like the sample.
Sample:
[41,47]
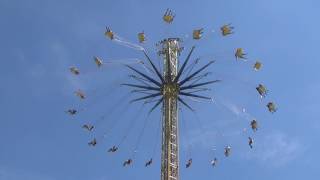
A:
[211,138]
[276,149]
[201,138]
[9,174]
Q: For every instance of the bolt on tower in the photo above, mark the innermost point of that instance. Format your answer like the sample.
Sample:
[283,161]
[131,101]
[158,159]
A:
[170,90]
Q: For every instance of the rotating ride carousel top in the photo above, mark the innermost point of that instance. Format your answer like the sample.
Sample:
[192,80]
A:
[156,86]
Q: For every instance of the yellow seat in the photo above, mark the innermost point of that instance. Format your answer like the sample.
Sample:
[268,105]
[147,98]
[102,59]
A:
[197,33]
[240,54]
[226,30]
[254,125]
[109,33]
[262,90]
[141,37]
[98,61]
[168,16]
[74,71]
[271,107]
[80,94]
[257,66]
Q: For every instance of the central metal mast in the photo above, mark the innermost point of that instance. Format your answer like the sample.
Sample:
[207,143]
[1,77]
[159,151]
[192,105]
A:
[170,90]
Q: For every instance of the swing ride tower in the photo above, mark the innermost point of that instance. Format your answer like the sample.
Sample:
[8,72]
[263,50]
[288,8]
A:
[170,90]
[169,85]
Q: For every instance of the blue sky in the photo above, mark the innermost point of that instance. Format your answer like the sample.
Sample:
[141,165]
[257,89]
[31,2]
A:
[41,39]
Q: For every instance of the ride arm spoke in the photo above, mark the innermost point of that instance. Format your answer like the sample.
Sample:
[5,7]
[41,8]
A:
[151,100]
[156,105]
[195,73]
[195,95]
[198,85]
[154,67]
[145,76]
[198,78]
[184,65]
[142,87]
[141,91]
[185,104]
[142,80]
[191,66]
[145,97]
[199,90]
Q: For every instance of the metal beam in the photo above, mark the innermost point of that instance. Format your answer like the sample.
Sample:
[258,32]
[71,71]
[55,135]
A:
[195,95]
[145,97]
[184,65]
[142,80]
[154,67]
[195,73]
[185,104]
[168,59]
[156,105]
[141,86]
[198,90]
[191,66]
[145,76]
[197,85]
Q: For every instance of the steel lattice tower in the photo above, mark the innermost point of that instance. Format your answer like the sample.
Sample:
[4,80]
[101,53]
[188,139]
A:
[170,130]
[170,88]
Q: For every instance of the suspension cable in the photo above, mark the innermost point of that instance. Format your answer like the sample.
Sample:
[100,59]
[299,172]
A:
[95,98]
[183,122]
[131,125]
[191,66]
[112,109]
[157,141]
[145,123]
[112,125]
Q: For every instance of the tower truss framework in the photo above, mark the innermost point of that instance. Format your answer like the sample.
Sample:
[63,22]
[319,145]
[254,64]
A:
[170,88]
[170,138]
